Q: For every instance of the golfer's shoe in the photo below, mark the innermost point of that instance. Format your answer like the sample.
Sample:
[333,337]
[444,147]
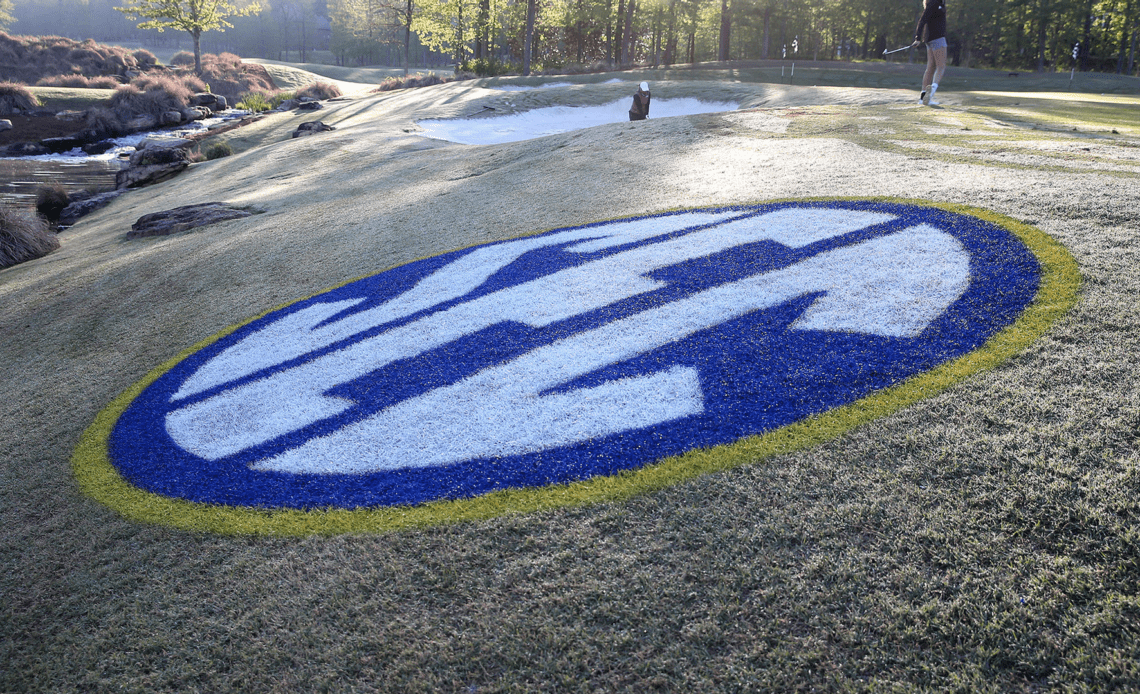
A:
[930,96]
[922,98]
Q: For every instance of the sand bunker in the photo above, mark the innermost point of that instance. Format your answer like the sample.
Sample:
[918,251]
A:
[557,119]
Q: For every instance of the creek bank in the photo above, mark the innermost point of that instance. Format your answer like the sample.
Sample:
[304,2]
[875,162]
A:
[42,132]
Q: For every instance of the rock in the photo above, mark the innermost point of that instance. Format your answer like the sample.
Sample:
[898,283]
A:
[151,166]
[98,147]
[5,124]
[214,102]
[84,204]
[287,105]
[142,122]
[171,117]
[56,145]
[183,218]
[25,149]
[154,141]
[193,113]
[309,106]
[71,116]
[311,128]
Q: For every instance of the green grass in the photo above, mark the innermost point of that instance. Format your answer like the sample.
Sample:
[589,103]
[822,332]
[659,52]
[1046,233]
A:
[70,99]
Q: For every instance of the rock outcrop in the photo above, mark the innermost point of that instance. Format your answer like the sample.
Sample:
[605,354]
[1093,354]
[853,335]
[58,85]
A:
[83,204]
[152,165]
[311,128]
[183,218]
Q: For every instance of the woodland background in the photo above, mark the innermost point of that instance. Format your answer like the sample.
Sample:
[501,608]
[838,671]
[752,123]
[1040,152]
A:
[488,36]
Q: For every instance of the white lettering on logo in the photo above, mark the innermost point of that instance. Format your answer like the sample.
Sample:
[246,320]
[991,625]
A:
[893,285]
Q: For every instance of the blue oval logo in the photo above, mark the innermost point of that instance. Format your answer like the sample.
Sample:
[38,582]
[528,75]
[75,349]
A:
[581,352]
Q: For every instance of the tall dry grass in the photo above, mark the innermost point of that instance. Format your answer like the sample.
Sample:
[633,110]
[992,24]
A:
[31,58]
[79,82]
[23,236]
[15,97]
[319,90]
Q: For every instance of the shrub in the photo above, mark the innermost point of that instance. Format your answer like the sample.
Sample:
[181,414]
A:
[254,101]
[182,58]
[23,236]
[229,61]
[218,150]
[413,81]
[319,90]
[488,67]
[102,82]
[105,122]
[194,83]
[50,201]
[281,97]
[15,97]
[150,95]
[144,58]
[72,81]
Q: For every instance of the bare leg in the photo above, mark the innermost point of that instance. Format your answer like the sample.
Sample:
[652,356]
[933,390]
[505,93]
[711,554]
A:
[935,68]
[939,56]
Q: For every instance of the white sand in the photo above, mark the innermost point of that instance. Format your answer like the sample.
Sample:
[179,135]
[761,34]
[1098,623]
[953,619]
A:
[557,119]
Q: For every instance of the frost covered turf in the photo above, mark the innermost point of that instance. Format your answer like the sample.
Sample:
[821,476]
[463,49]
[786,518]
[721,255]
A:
[983,539]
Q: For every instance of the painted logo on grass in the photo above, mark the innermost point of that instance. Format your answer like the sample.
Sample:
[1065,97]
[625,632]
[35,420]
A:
[577,353]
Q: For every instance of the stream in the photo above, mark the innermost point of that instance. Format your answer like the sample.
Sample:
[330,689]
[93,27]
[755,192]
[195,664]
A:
[22,177]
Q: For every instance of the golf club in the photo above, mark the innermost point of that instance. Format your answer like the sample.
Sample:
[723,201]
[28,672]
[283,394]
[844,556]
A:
[897,50]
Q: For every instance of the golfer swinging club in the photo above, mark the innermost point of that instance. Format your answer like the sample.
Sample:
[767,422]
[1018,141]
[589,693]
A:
[933,20]
[640,108]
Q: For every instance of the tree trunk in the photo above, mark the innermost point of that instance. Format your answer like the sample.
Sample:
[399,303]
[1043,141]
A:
[1085,41]
[407,37]
[627,36]
[671,34]
[618,43]
[197,36]
[609,32]
[725,30]
[529,37]
[1132,50]
[767,33]
[1124,37]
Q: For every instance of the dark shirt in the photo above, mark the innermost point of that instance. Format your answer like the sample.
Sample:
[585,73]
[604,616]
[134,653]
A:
[640,108]
[934,20]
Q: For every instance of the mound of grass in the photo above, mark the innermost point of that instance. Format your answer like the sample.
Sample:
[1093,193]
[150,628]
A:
[413,81]
[254,101]
[79,82]
[15,98]
[23,236]
[51,201]
[183,58]
[144,58]
[105,122]
[151,95]
[319,91]
[31,58]
[218,150]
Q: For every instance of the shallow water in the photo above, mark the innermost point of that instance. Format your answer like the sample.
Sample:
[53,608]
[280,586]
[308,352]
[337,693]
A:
[20,178]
